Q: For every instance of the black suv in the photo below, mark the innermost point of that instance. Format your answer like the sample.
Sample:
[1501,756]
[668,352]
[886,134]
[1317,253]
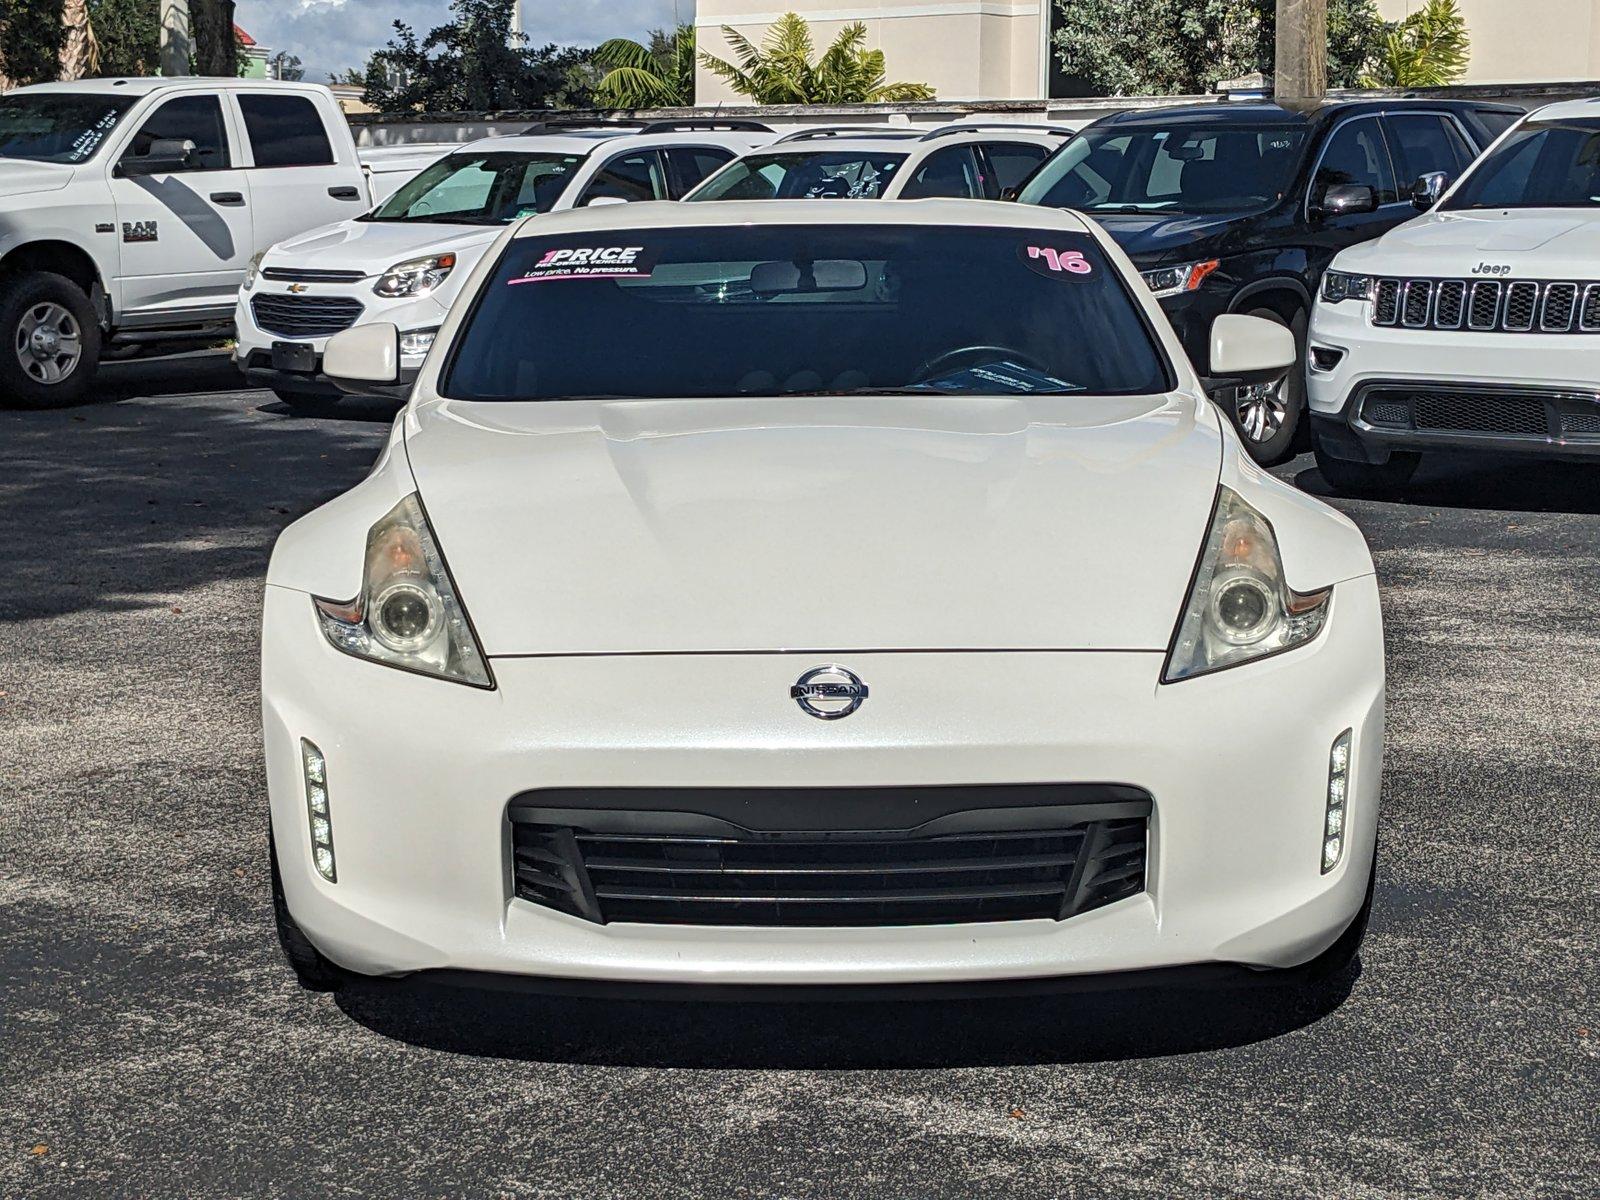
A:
[1239,206]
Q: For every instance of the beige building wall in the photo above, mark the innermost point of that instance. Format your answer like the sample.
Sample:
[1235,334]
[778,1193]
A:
[964,49]
[1524,41]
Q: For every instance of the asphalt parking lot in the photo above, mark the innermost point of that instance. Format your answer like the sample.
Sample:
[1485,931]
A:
[155,1045]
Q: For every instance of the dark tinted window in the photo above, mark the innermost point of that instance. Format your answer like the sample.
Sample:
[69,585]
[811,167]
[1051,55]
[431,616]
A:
[1495,121]
[1235,168]
[629,177]
[1542,164]
[691,164]
[1423,143]
[804,310]
[1356,155]
[952,171]
[1011,163]
[481,189]
[285,131]
[57,127]
[197,119]
[805,175]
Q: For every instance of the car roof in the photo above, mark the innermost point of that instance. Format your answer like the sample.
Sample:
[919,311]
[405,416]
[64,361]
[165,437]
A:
[1285,112]
[582,141]
[1567,109]
[666,214]
[143,85]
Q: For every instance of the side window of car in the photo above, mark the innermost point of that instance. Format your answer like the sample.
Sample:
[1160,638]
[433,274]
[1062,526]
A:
[1010,163]
[1424,143]
[692,164]
[635,176]
[196,119]
[1355,155]
[285,131]
[949,172]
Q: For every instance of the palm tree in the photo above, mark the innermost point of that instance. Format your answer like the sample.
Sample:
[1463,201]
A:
[1430,48]
[782,71]
[660,75]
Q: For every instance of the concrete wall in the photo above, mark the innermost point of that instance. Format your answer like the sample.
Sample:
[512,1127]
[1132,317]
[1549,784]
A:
[965,49]
[1515,41]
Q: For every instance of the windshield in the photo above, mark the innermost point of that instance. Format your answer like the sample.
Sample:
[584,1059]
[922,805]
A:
[481,189]
[803,175]
[804,310]
[1236,168]
[61,127]
[1543,164]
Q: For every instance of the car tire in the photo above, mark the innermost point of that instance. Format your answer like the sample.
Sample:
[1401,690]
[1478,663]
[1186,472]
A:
[1268,416]
[306,404]
[1349,478]
[313,971]
[49,341]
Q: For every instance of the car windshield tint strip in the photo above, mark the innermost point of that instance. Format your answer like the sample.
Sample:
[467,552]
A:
[804,310]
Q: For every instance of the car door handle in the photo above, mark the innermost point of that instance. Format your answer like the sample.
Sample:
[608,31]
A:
[235,198]
[345,193]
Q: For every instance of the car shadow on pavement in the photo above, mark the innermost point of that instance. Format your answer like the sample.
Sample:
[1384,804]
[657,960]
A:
[1074,1027]
[1497,482]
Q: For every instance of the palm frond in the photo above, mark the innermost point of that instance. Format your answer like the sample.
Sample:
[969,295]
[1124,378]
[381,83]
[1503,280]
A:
[623,52]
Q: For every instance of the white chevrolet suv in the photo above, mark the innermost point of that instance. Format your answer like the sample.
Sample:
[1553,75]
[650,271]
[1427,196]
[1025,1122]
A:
[1475,326]
[404,261]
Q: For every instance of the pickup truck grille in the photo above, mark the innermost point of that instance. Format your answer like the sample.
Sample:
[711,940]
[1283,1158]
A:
[1488,305]
[305,316]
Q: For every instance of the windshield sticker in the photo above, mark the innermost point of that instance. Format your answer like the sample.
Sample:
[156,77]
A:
[998,378]
[592,262]
[1056,264]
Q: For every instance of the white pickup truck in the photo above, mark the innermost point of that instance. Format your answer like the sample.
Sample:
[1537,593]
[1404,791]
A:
[130,209]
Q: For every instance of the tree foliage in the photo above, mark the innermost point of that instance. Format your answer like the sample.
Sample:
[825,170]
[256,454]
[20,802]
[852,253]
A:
[1185,47]
[32,37]
[129,35]
[784,69]
[474,63]
[1430,48]
[658,75]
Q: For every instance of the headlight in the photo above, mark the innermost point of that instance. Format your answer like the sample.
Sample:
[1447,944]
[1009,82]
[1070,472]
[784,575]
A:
[1174,281]
[1239,607]
[416,277]
[414,342]
[407,614]
[1341,285]
[253,271]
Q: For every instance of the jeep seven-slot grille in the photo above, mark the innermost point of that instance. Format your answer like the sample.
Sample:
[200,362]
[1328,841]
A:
[1488,305]
[304,316]
[676,866]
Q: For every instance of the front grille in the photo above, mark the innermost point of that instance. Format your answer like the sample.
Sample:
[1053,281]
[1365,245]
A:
[1488,305]
[311,275]
[1025,859]
[305,316]
[1511,412]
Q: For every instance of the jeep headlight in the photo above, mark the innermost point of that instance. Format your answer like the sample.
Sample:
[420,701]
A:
[407,614]
[1341,285]
[1239,607]
[415,277]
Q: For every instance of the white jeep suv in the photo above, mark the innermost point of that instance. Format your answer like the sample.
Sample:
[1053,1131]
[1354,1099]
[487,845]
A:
[1475,326]
[404,261]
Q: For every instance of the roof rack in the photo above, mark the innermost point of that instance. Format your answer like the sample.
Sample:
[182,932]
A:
[589,126]
[706,125]
[832,131]
[984,126]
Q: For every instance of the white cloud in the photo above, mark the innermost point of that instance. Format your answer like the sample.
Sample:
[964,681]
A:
[332,35]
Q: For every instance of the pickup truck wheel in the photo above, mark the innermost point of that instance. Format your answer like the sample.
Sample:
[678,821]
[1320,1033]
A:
[1267,415]
[1349,478]
[49,340]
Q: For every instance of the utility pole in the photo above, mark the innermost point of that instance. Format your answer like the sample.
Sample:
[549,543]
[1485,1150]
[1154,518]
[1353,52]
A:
[1300,59]
[176,44]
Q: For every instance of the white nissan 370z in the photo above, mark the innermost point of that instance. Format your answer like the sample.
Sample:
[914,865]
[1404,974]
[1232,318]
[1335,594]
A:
[818,593]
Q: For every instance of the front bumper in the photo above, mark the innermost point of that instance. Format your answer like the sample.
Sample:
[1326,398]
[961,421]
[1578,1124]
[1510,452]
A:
[421,772]
[253,344]
[1517,375]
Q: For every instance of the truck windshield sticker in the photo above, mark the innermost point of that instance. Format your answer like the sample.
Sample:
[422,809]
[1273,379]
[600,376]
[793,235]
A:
[591,262]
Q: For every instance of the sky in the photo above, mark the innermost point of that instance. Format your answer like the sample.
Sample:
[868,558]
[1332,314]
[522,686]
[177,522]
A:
[331,35]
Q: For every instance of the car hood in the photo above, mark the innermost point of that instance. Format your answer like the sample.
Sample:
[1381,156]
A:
[22,178]
[894,523]
[375,246]
[1152,239]
[1547,243]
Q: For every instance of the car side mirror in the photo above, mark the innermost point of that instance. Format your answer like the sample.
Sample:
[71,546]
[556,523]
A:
[364,360]
[1250,349]
[600,201]
[1347,199]
[1426,191]
[166,155]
